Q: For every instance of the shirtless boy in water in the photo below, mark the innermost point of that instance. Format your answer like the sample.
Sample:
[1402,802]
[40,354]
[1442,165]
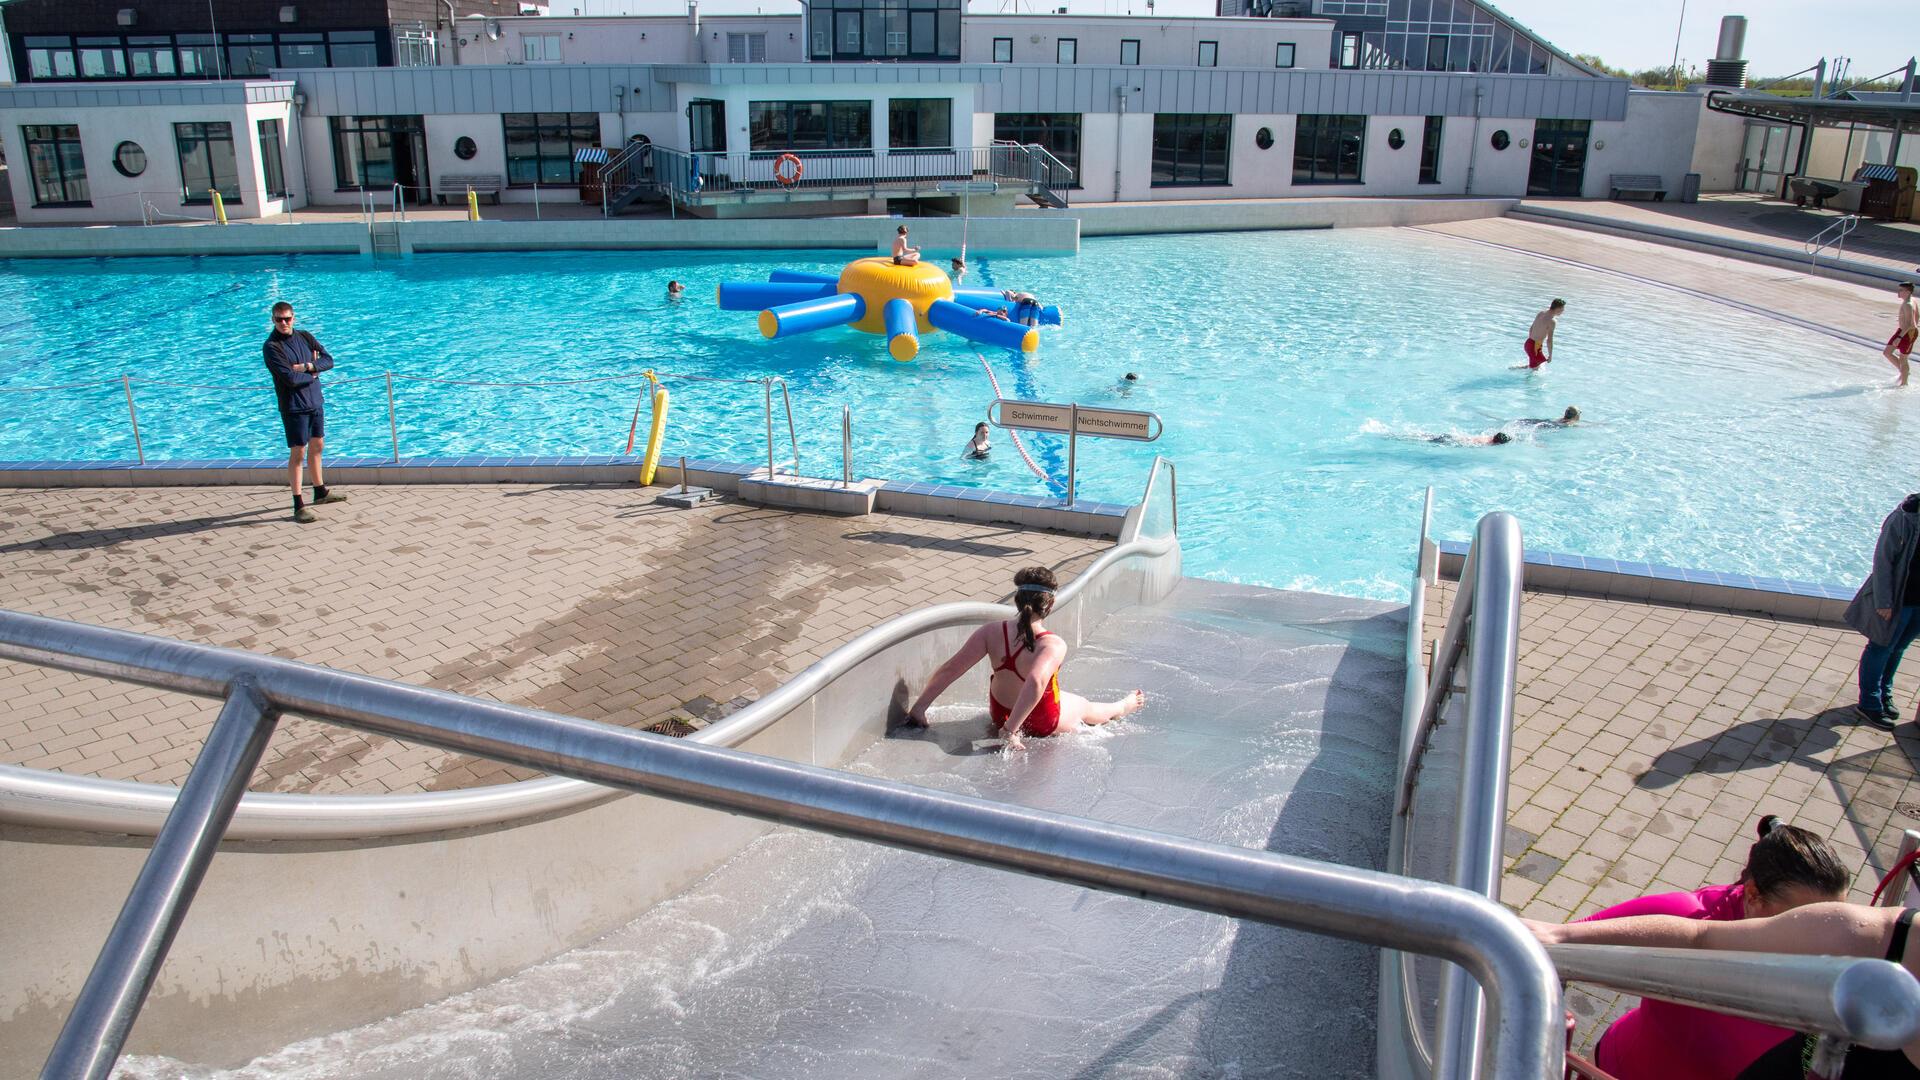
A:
[1900,345]
[1540,335]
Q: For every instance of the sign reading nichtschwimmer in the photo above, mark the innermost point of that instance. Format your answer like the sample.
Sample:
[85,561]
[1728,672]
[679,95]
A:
[1076,420]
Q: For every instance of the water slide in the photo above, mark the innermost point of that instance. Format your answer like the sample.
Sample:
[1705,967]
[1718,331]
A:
[1272,723]
[556,927]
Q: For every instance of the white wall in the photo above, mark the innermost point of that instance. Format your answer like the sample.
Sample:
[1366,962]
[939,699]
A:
[1500,172]
[1163,42]
[118,198]
[1657,138]
[1717,144]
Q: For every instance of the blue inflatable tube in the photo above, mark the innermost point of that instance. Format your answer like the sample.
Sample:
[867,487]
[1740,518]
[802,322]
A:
[755,296]
[790,319]
[803,277]
[970,324]
[902,343]
[991,300]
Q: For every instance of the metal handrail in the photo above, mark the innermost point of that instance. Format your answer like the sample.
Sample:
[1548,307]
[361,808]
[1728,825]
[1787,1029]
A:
[1840,230]
[793,438]
[67,801]
[1482,630]
[683,174]
[1871,1002]
[399,205]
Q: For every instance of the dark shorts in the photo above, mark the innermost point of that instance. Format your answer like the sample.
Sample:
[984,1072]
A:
[303,427]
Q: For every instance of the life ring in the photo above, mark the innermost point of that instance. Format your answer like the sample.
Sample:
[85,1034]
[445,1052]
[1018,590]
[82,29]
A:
[787,169]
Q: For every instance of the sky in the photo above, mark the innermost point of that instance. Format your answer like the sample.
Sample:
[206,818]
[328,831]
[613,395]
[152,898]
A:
[1783,36]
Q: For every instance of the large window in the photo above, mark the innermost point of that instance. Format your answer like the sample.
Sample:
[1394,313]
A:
[1191,148]
[363,152]
[809,125]
[199,56]
[150,57]
[1430,150]
[1209,54]
[1003,50]
[249,56]
[746,48]
[540,146]
[1348,55]
[102,58]
[540,48]
[1067,51]
[272,169]
[55,162]
[920,122]
[206,162]
[1129,52]
[352,48]
[1058,133]
[303,50]
[50,58]
[884,29]
[1328,149]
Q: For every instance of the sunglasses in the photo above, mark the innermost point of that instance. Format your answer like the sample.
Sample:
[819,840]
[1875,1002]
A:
[283,318]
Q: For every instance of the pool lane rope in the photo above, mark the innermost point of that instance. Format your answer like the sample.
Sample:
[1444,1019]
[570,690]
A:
[1017,444]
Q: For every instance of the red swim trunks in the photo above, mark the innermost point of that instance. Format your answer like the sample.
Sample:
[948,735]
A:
[1534,356]
[1902,341]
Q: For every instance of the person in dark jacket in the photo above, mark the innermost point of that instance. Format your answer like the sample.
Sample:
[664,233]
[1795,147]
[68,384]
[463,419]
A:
[294,358]
[1887,611]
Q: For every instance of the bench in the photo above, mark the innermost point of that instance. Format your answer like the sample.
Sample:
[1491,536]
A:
[1636,183]
[457,186]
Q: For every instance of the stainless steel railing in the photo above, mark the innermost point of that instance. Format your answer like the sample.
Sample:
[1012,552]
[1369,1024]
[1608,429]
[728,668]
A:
[1833,236]
[682,175]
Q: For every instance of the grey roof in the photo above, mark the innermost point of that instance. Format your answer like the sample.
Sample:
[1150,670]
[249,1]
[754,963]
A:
[133,94]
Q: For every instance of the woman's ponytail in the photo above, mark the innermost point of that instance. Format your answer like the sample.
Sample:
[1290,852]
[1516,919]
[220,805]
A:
[1033,597]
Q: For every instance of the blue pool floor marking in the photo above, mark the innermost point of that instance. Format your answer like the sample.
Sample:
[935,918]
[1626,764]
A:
[1752,309]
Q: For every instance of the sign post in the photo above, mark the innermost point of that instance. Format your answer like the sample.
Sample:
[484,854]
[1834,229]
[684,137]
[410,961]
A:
[1074,420]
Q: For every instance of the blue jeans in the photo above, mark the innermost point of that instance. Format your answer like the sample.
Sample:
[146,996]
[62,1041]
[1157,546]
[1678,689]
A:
[1878,662]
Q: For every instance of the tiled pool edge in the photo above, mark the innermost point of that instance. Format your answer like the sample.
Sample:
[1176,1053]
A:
[1085,517]
[1616,579]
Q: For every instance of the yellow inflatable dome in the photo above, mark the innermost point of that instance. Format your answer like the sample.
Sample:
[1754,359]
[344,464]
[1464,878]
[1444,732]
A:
[879,280]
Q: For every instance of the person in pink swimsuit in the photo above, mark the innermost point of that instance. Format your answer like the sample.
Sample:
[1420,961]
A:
[1787,868]
[1023,693]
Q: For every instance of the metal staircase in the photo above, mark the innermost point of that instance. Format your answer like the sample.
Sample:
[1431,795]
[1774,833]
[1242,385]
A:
[628,177]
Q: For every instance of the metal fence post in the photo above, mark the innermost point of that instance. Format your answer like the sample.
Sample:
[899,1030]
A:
[393,425]
[846,446]
[1073,439]
[108,1004]
[126,383]
[767,385]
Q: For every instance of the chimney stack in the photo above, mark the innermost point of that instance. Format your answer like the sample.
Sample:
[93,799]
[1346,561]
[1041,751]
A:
[1728,66]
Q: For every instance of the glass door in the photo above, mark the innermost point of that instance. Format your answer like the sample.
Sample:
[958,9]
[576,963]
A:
[1763,158]
[1559,158]
[707,122]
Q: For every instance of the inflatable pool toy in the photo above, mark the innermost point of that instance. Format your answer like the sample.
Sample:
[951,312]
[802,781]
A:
[880,296]
[650,461]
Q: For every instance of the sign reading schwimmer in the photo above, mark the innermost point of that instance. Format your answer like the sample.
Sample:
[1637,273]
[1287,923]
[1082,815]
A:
[1076,420]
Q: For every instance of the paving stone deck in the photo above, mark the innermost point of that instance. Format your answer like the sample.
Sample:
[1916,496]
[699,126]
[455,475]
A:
[1649,740]
[587,600]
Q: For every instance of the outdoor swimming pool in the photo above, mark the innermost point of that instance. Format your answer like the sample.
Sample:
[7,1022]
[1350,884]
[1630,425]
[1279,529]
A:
[1296,373]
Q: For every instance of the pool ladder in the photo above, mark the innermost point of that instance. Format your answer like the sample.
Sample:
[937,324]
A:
[1833,236]
[384,237]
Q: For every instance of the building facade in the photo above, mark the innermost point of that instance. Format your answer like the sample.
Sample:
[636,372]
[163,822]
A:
[1132,109]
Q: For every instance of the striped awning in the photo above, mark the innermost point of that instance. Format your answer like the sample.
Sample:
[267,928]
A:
[590,155]
[1877,172]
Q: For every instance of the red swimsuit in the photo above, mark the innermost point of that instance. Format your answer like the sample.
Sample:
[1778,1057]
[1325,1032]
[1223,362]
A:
[1044,720]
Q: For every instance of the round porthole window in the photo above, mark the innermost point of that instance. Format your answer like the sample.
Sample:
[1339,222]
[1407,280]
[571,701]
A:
[129,159]
[1501,140]
[1263,138]
[1395,139]
[464,149]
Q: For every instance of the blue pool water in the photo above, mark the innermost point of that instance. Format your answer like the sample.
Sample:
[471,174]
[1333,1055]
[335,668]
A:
[1297,374]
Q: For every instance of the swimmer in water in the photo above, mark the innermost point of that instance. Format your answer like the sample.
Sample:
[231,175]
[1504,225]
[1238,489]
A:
[979,446]
[675,290]
[1567,419]
[1540,335]
[1498,438]
[959,270]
